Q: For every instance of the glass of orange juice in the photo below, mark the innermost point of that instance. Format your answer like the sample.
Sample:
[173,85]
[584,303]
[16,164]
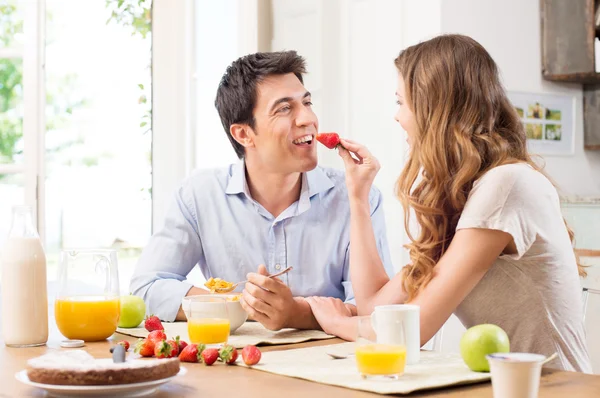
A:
[376,360]
[207,318]
[87,306]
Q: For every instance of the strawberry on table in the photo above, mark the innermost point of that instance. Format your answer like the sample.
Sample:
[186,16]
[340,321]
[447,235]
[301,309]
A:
[210,356]
[157,336]
[125,344]
[152,323]
[251,355]
[182,344]
[162,350]
[144,347]
[192,353]
[330,140]
[174,348]
[228,354]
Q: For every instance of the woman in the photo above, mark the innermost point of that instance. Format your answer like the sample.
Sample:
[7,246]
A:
[492,245]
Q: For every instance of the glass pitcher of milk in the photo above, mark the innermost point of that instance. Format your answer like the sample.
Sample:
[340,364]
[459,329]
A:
[24,284]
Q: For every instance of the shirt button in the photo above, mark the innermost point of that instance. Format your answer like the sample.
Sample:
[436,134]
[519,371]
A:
[278,267]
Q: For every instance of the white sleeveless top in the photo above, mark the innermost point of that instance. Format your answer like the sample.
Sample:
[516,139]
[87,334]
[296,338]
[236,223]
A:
[534,295]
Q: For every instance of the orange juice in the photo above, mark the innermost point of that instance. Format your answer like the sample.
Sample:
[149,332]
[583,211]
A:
[89,318]
[380,359]
[208,330]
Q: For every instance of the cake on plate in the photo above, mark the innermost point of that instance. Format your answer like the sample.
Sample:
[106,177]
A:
[78,368]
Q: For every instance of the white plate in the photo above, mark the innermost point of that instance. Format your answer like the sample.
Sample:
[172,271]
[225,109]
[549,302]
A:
[121,390]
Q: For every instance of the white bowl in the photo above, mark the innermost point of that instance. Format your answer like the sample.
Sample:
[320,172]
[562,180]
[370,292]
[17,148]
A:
[235,311]
[237,315]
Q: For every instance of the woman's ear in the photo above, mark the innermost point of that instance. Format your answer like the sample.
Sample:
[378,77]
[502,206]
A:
[243,134]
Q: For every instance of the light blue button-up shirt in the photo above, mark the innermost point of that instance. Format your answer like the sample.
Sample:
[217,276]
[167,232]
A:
[214,223]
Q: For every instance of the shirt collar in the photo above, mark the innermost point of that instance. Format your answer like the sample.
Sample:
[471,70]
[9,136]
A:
[317,181]
[237,181]
[313,182]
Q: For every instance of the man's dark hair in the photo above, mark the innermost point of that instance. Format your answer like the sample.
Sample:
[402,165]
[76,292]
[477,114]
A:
[237,92]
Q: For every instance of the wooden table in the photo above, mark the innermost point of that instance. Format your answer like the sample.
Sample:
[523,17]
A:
[228,381]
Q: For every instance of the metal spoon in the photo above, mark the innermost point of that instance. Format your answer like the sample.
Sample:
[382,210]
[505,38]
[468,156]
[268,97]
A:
[337,355]
[232,287]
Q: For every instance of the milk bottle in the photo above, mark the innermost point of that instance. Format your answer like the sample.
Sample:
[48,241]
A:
[24,314]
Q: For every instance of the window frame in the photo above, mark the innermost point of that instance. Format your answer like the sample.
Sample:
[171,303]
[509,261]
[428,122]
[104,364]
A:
[34,102]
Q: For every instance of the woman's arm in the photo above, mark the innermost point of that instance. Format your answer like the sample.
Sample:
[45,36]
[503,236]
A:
[370,282]
[470,254]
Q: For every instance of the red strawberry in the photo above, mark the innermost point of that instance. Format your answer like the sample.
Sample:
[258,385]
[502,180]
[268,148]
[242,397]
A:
[125,344]
[174,348]
[330,140]
[182,344]
[153,323]
[192,353]
[210,356]
[228,354]
[251,355]
[157,336]
[162,350]
[144,347]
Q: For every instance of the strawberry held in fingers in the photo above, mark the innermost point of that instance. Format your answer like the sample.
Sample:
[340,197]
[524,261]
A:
[330,140]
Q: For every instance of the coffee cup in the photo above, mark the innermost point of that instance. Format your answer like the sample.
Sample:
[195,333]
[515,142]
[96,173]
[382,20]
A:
[399,324]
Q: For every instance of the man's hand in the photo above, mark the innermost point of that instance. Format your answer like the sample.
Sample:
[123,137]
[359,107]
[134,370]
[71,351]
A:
[269,300]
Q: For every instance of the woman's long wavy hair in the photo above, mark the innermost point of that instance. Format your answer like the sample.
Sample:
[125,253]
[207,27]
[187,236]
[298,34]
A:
[466,126]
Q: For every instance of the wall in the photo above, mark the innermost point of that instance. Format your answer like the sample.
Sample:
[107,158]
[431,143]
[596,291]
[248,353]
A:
[171,79]
[350,46]
[215,19]
[510,31]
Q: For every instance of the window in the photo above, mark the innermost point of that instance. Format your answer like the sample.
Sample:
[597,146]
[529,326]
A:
[98,137]
[87,134]
[12,107]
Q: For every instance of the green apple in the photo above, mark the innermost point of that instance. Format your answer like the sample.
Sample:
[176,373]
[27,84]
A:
[133,310]
[479,341]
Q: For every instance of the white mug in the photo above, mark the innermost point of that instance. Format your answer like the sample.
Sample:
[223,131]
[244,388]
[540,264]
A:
[399,324]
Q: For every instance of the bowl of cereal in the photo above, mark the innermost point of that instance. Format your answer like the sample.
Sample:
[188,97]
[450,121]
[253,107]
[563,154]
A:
[235,312]
[237,315]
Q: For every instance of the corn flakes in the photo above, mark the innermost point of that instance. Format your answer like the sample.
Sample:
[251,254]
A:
[215,284]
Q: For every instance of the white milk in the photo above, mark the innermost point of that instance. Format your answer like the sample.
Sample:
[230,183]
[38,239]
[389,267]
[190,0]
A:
[24,293]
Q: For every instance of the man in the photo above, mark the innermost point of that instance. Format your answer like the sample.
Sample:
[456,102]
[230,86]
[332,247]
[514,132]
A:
[274,209]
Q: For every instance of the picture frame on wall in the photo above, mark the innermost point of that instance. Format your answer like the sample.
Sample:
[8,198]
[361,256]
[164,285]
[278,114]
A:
[548,120]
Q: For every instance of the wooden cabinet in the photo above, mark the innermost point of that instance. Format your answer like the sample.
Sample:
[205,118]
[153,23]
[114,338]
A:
[569,32]
[568,41]
[591,116]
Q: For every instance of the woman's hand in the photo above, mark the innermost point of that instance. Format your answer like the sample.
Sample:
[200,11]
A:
[360,172]
[333,315]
